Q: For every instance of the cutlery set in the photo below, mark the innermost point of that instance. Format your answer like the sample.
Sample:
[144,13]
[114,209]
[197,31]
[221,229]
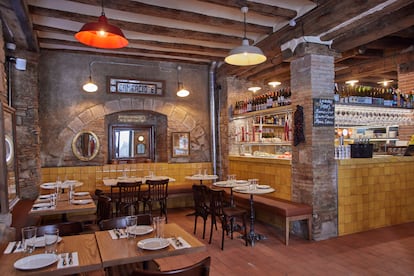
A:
[67,258]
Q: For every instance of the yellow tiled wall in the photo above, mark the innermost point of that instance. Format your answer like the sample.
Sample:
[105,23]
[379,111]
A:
[92,176]
[374,193]
[274,172]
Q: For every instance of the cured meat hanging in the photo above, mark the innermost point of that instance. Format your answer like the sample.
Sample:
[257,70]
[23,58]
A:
[298,134]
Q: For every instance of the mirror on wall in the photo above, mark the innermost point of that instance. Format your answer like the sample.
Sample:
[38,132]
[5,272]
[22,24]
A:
[131,143]
[85,145]
[9,185]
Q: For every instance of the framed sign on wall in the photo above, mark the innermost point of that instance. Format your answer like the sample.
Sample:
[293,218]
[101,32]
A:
[180,144]
[137,87]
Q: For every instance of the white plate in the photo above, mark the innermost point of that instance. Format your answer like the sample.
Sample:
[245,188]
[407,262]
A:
[241,188]
[81,193]
[70,182]
[141,230]
[40,241]
[45,196]
[262,186]
[81,201]
[242,182]
[35,261]
[49,185]
[221,183]
[40,205]
[153,244]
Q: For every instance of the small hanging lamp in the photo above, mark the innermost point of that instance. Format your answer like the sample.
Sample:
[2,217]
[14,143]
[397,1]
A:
[181,92]
[245,54]
[101,34]
[90,86]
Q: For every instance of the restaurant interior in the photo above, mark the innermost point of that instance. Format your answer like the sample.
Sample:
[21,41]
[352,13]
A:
[207,137]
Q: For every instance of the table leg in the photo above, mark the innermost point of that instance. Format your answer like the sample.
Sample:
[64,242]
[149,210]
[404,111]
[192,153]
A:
[252,236]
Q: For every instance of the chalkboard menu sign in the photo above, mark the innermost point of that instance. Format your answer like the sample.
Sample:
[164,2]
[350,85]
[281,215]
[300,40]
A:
[323,112]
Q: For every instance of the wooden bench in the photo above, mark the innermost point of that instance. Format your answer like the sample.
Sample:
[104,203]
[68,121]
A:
[289,210]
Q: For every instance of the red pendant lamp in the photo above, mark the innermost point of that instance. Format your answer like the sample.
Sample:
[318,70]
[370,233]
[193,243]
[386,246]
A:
[101,34]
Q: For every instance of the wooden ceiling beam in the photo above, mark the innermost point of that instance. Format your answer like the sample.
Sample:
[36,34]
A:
[374,67]
[366,33]
[139,27]
[175,14]
[25,22]
[130,49]
[214,52]
[381,14]
[271,72]
[138,57]
[263,9]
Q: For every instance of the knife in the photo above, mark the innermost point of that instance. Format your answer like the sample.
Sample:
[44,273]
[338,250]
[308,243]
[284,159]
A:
[117,233]
[70,258]
[14,247]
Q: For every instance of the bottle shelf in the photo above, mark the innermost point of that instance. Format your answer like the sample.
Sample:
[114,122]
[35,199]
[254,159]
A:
[273,110]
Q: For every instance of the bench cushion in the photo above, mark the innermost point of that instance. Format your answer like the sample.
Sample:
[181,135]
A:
[279,206]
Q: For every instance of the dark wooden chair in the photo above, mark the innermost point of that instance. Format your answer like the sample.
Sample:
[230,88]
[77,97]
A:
[103,211]
[120,222]
[202,268]
[65,228]
[201,205]
[227,214]
[128,198]
[157,192]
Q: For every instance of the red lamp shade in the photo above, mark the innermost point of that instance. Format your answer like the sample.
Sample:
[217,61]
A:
[101,34]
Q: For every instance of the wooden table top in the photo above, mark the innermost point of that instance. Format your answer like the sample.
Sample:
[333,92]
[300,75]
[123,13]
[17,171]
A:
[65,207]
[124,251]
[85,245]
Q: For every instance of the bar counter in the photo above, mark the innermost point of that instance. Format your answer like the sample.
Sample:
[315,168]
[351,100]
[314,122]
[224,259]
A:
[374,192]
[270,171]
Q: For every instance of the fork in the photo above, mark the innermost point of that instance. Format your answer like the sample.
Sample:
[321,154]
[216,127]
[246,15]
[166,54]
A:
[63,256]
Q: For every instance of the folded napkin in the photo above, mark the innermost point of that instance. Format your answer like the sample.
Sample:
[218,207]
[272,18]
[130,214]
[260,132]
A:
[64,260]
[117,234]
[179,243]
[43,208]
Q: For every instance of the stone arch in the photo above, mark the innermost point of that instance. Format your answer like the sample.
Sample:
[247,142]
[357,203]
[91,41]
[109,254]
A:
[178,120]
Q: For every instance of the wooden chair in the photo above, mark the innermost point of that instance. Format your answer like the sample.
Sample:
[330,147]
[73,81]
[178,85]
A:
[157,192]
[103,211]
[227,214]
[128,197]
[65,228]
[202,268]
[120,222]
[201,206]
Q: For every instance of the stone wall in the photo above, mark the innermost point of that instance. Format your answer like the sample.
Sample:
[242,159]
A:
[65,109]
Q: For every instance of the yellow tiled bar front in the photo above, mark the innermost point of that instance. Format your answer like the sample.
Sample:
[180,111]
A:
[92,176]
[375,192]
[274,172]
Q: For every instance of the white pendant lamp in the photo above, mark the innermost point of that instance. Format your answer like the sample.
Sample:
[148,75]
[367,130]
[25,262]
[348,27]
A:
[245,54]
[181,92]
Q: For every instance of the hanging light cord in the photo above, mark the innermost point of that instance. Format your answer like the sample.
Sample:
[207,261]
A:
[244,10]
[102,4]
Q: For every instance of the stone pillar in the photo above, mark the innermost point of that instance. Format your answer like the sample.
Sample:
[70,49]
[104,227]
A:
[313,164]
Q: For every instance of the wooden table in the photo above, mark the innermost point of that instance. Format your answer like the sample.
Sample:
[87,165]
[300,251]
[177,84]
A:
[64,207]
[125,251]
[88,256]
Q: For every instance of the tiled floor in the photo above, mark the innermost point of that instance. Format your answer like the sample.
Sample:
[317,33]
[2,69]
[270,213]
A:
[385,251]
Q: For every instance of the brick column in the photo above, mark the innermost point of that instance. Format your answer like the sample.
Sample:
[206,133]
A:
[313,165]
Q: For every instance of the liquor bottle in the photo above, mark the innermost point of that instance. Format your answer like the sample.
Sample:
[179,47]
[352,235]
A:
[336,93]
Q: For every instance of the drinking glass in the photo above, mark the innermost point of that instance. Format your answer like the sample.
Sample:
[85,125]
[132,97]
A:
[29,238]
[131,223]
[159,224]
[51,241]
